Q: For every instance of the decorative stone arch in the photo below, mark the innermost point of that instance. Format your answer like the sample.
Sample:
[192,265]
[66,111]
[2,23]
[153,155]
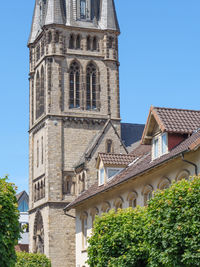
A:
[105,207]
[38,233]
[95,43]
[164,183]
[183,174]
[132,199]
[78,41]
[88,42]
[93,212]
[118,203]
[147,192]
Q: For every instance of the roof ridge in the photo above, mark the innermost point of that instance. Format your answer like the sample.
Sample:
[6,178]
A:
[181,109]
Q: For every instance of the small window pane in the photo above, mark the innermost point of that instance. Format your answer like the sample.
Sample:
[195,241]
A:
[83,9]
[155,148]
[164,143]
[101,178]
[112,172]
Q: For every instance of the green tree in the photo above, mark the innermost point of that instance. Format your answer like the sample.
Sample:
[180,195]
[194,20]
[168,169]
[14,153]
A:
[9,223]
[173,230]
[117,239]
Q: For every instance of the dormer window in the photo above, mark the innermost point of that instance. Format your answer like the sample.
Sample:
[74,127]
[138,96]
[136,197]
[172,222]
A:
[159,145]
[83,9]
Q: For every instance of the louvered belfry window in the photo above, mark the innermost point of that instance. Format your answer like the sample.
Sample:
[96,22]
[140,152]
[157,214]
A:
[83,9]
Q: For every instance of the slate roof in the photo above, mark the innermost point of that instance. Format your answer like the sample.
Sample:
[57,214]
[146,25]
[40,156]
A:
[18,196]
[116,159]
[131,133]
[142,165]
[181,121]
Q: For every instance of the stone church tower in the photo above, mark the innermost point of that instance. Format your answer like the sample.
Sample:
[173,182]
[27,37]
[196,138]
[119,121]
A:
[74,113]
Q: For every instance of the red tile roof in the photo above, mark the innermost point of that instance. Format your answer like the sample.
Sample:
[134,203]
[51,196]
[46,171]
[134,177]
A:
[181,121]
[116,159]
[142,165]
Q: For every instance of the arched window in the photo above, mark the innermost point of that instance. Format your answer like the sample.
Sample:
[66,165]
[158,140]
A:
[105,207]
[49,37]
[148,193]
[57,37]
[93,213]
[40,94]
[132,199]
[164,183]
[184,174]
[38,237]
[109,146]
[74,96]
[118,203]
[71,41]
[78,42]
[88,43]
[94,44]
[95,7]
[37,94]
[83,9]
[91,92]
[110,42]
[67,185]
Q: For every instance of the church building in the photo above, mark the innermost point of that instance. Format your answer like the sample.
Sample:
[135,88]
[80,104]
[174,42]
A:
[74,114]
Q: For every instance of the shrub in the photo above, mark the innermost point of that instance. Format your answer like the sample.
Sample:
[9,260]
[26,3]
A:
[32,260]
[9,223]
[173,231]
[117,239]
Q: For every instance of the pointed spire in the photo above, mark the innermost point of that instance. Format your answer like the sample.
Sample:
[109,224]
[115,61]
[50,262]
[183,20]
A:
[54,13]
[108,16]
[36,27]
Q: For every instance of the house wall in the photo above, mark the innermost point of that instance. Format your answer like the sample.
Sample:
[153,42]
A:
[154,179]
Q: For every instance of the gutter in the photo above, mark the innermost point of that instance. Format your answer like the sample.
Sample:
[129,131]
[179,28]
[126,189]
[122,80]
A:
[140,173]
[191,163]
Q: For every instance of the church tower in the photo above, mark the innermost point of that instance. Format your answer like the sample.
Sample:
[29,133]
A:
[74,113]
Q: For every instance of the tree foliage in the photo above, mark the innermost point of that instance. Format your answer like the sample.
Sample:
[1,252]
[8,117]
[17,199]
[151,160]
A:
[117,239]
[9,223]
[165,233]
[32,260]
[173,230]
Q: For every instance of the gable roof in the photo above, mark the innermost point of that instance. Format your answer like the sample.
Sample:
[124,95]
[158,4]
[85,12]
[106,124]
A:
[142,165]
[21,194]
[171,120]
[116,159]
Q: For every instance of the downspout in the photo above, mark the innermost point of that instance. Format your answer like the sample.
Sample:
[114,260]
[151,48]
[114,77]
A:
[191,163]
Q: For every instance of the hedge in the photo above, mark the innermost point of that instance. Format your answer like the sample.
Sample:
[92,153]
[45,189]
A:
[9,223]
[32,260]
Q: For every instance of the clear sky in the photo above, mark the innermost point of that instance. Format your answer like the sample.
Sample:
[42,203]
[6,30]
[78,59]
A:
[160,66]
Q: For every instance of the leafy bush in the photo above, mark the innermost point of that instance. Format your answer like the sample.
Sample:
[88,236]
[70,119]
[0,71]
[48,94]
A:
[117,239]
[164,234]
[174,225]
[9,223]
[32,260]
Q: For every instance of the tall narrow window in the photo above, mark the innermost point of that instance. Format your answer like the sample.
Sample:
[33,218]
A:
[78,42]
[91,87]
[164,143]
[71,41]
[42,93]
[83,9]
[155,148]
[74,97]
[94,45]
[88,43]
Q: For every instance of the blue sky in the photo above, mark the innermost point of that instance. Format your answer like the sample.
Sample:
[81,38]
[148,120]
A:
[160,66]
